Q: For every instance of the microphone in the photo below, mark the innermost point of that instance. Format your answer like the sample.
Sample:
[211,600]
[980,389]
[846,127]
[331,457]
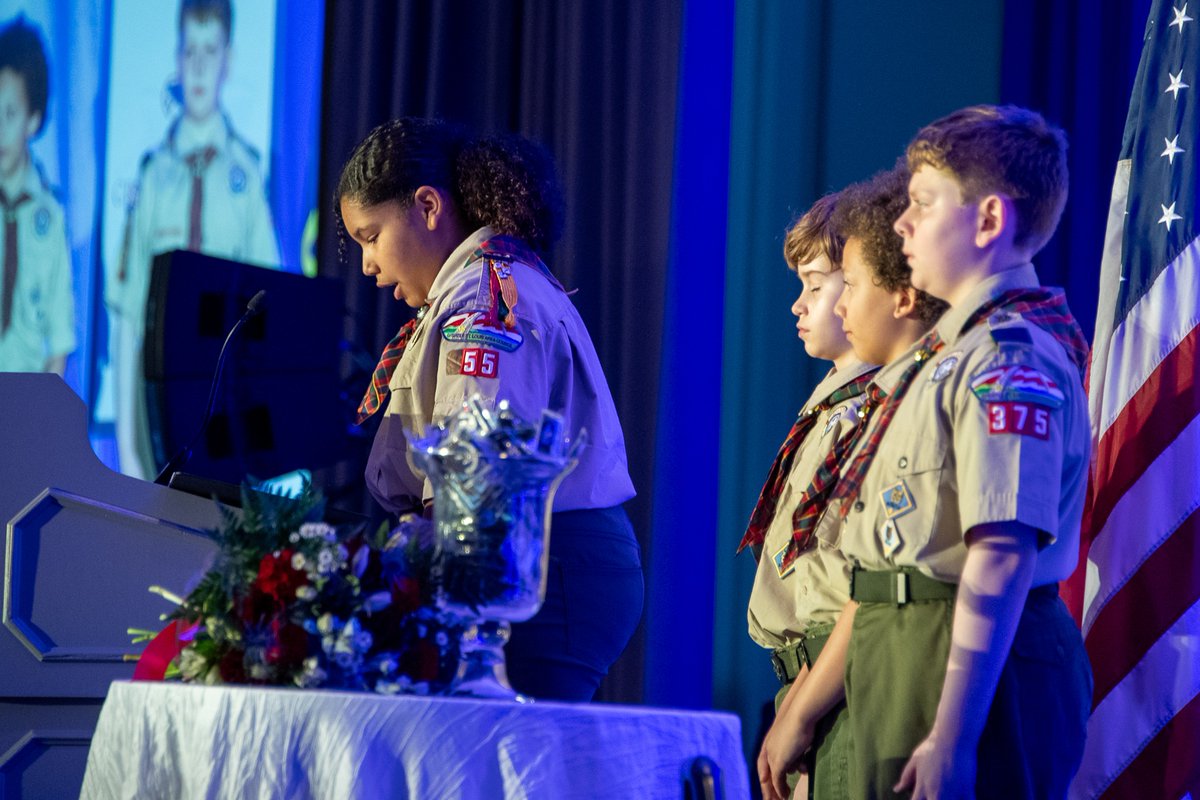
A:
[179,459]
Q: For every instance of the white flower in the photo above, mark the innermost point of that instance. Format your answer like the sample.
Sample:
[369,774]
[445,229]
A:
[259,672]
[306,593]
[298,561]
[293,538]
[327,623]
[318,530]
[387,687]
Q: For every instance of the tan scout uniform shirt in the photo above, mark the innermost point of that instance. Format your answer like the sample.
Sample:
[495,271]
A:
[42,325]
[555,367]
[817,585]
[949,461]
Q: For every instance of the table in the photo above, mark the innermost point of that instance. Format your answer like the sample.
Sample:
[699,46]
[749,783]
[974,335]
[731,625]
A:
[169,740]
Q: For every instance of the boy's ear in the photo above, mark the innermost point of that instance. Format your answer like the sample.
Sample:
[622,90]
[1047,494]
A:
[33,124]
[994,216]
[904,302]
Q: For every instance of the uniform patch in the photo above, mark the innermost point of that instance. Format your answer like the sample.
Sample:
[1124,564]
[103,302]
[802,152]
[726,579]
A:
[945,366]
[833,419]
[479,362]
[1023,419]
[777,559]
[897,500]
[237,179]
[41,221]
[470,326]
[889,537]
[1017,383]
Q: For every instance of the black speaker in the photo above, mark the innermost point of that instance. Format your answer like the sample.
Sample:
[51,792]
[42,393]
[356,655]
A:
[278,407]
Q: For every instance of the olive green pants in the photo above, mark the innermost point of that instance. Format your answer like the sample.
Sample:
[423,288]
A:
[1033,738]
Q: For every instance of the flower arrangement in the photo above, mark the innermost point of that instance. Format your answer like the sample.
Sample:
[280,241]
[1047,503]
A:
[292,600]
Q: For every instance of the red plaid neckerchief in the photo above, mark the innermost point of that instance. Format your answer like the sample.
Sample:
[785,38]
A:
[1046,308]
[510,248]
[382,376]
[768,498]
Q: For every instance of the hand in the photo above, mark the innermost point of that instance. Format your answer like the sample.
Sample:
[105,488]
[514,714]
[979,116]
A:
[782,752]
[937,771]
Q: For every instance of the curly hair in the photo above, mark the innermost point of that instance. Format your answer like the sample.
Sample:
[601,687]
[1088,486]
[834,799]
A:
[21,50]
[1004,149]
[506,182]
[866,211]
[813,234]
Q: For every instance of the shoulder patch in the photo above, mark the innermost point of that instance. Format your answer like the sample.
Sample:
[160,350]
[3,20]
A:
[1006,327]
[41,221]
[1016,383]
[473,327]
[237,178]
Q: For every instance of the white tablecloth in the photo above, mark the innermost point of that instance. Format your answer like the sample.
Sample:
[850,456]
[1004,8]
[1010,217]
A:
[168,740]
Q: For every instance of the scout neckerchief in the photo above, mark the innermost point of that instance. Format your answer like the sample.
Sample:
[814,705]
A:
[382,376]
[501,252]
[9,207]
[1046,308]
[764,510]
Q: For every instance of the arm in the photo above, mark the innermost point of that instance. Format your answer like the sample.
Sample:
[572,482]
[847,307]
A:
[991,596]
[806,703]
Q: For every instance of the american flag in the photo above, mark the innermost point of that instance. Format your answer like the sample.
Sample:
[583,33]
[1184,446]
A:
[1137,592]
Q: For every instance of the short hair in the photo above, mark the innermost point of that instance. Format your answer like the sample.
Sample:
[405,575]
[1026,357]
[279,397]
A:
[813,234]
[203,10]
[868,211]
[21,50]
[1004,149]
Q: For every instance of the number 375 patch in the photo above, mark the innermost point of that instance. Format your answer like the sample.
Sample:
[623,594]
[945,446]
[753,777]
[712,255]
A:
[481,362]
[1025,419]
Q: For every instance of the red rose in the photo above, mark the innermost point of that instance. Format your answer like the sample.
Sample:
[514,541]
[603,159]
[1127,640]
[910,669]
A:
[406,594]
[232,666]
[422,661]
[277,578]
[289,644]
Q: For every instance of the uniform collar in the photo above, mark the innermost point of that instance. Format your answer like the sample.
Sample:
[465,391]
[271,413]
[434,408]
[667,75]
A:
[949,327]
[450,267]
[185,137]
[836,379]
[32,182]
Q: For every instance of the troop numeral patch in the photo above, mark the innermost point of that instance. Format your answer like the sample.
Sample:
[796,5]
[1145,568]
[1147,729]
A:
[480,362]
[1024,419]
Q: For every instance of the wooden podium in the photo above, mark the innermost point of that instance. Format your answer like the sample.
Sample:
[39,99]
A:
[82,544]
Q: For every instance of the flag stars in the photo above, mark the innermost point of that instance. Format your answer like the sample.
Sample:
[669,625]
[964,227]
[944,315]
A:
[1168,216]
[1177,84]
[1172,150]
[1180,18]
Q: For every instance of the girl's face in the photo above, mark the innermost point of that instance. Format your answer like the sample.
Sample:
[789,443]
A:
[399,247]
[869,311]
[816,324]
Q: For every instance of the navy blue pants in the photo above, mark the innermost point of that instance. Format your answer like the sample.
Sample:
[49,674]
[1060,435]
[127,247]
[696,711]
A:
[594,593]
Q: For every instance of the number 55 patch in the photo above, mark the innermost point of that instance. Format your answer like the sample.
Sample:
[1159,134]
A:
[482,362]
[1024,419]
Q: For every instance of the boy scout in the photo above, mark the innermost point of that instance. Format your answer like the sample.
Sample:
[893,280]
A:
[965,675]
[201,190]
[881,315]
[37,307]
[792,608]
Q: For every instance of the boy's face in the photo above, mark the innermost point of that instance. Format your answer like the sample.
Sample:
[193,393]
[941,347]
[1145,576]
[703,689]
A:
[939,230]
[203,57]
[817,325]
[867,309]
[17,124]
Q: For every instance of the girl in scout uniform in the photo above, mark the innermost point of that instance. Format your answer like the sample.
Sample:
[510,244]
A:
[452,226]
[880,314]
[965,675]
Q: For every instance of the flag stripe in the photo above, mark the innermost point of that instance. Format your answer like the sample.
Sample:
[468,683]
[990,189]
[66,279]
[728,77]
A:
[1142,611]
[1153,507]
[1169,766]
[1131,715]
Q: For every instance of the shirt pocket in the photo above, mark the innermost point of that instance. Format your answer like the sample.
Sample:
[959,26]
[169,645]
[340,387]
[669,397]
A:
[908,498]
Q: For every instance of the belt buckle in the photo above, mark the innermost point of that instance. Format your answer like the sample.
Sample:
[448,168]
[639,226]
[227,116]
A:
[901,589]
[778,665]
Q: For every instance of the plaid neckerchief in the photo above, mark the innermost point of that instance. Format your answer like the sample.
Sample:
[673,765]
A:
[768,498]
[1046,308]
[382,376]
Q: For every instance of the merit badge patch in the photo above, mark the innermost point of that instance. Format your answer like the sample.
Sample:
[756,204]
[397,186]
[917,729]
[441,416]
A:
[1023,419]
[1016,383]
[778,560]
[889,537]
[897,500]
[237,179]
[41,221]
[480,362]
[945,366]
[470,326]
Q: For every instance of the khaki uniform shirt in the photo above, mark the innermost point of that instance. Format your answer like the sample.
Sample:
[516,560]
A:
[553,365]
[43,310]
[952,459]
[816,586]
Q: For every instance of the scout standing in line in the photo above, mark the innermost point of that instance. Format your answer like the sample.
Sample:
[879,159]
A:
[793,607]
[881,314]
[966,677]
[37,308]
[200,190]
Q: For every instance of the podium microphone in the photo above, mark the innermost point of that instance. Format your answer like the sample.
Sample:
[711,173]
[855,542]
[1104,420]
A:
[181,458]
